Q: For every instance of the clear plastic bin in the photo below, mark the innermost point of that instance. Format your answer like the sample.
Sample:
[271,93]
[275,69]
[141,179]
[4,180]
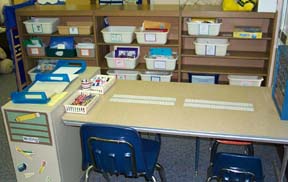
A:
[35,51]
[200,28]
[119,34]
[124,74]
[155,76]
[121,63]
[151,37]
[244,80]
[85,50]
[75,28]
[41,25]
[211,47]
[161,63]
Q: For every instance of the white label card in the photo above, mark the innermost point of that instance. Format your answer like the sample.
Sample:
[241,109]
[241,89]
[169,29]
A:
[210,50]
[155,78]
[73,30]
[120,63]
[121,77]
[204,29]
[116,37]
[37,28]
[160,64]
[149,37]
[31,139]
[84,52]
[35,51]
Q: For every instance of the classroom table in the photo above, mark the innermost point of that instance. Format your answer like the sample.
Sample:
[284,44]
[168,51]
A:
[158,107]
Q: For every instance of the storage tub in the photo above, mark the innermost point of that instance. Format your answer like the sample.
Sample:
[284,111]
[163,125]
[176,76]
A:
[35,51]
[119,34]
[124,74]
[162,63]
[244,80]
[203,78]
[41,25]
[85,50]
[211,47]
[60,52]
[200,28]
[151,37]
[123,63]
[75,28]
[156,76]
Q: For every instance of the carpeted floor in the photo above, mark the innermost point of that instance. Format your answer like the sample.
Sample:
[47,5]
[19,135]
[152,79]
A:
[177,153]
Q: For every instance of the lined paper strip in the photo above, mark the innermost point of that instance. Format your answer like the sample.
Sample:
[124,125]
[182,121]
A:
[135,99]
[209,104]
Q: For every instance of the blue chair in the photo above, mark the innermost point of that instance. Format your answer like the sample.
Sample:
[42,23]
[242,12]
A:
[230,167]
[115,150]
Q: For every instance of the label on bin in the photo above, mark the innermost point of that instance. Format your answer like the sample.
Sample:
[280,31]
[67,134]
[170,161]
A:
[155,78]
[116,37]
[204,29]
[119,63]
[73,30]
[35,51]
[84,52]
[37,28]
[149,37]
[159,64]
[210,50]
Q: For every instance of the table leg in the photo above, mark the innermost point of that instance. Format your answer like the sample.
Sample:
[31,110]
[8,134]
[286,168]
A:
[197,148]
[284,164]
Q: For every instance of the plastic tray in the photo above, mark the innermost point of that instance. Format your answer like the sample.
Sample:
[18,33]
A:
[121,63]
[200,28]
[75,28]
[244,80]
[124,74]
[151,37]
[102,89]
[161,63]
[35,51]
[156,76]
[41,25]
[211,47]
[80,109]
[119,34]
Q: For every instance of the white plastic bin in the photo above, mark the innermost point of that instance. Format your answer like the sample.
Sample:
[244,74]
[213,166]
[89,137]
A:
[119,34]
[121,63]
[151,37]
[211,47]
[124,74]
[161,63]
[244,80]
[41,25]
[200,28]
[156,76]
[85,49]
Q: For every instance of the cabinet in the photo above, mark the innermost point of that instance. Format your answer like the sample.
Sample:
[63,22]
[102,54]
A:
[125,16]
[244,56]
[80,13]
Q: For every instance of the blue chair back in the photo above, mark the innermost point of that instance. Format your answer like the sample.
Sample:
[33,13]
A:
[237,167]
[112,149]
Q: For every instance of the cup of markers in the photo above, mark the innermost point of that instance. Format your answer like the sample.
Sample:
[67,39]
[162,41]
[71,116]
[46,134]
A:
[86,84]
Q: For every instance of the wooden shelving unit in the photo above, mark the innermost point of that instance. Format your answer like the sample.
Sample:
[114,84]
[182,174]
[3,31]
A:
[244,56]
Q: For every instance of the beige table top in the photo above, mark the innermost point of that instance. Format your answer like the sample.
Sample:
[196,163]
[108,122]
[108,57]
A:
[262,125]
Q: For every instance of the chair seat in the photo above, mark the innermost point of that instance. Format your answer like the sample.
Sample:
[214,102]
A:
[234,142]
[236,167]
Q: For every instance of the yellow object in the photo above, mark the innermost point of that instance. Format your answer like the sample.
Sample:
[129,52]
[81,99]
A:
[156,25]
[238,5]
[203,20]
[56,97]
[42,167]
[18,149]
[27,117]
[247,32]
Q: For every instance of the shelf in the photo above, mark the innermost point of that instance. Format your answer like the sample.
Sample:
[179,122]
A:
[224,35]
[170,43]
[247,55]
[56,35]
[216,12]
[223,70]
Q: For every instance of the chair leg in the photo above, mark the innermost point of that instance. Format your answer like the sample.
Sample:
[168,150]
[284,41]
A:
[213,151]
[106,176]
[87,173]
[161,172]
